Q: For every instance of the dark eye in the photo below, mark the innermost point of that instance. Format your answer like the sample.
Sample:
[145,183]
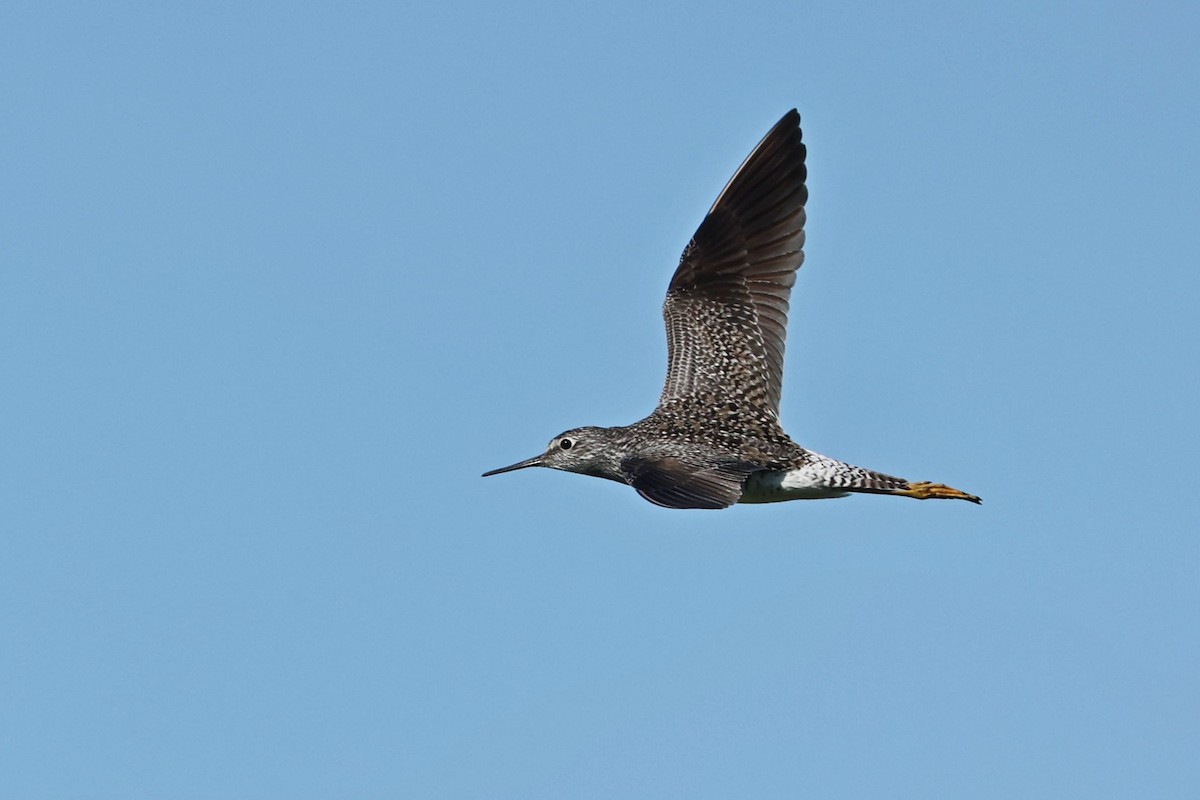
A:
[566,444]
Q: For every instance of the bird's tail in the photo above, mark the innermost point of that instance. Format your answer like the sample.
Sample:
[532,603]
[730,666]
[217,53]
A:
[865,481]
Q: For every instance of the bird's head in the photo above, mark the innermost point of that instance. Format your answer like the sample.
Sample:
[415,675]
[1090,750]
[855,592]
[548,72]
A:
[585,450]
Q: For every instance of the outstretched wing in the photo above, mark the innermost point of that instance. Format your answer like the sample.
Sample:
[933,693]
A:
[727,305]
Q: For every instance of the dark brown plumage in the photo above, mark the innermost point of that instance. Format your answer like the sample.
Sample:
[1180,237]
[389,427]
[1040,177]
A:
[715,439]
[727,305]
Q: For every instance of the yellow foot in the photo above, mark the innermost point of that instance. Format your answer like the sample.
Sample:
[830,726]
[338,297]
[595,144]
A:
[936,491]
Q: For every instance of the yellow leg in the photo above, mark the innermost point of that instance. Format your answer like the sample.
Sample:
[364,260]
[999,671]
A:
[936,491]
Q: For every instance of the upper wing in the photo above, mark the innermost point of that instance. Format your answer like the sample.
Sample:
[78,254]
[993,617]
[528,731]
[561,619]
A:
[727,305]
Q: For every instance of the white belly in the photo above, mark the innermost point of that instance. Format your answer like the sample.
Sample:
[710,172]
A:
[806,483]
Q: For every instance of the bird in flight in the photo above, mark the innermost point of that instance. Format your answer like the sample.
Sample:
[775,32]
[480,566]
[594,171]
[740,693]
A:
[715,438]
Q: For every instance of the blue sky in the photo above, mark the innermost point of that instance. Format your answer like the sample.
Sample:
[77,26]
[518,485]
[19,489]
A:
[277,283]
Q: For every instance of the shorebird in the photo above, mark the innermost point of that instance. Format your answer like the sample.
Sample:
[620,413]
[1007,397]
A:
[715,438]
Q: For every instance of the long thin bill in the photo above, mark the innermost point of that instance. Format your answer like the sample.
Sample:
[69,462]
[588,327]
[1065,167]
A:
[536,461]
